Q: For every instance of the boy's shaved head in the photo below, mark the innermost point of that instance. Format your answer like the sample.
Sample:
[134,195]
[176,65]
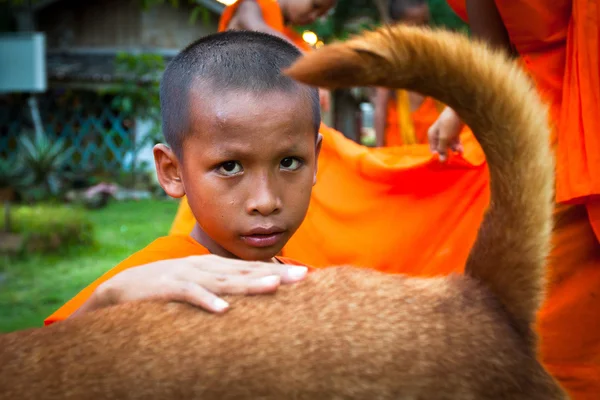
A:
[222,62]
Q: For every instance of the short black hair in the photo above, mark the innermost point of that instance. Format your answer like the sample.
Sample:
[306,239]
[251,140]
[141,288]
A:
[398,8]
[230,60]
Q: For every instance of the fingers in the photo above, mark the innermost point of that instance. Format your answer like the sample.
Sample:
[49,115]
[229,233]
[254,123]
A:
[251,269]
[231,284]
[444,134]
[432,136]
[442,139]
[442,147]
[456,146]
[204,294]
[189,292]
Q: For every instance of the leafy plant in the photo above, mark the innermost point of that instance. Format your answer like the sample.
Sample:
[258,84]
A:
[13,174]
[44,159]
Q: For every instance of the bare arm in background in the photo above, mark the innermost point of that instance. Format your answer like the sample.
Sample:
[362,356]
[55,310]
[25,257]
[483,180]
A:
[382,97]
[249,17]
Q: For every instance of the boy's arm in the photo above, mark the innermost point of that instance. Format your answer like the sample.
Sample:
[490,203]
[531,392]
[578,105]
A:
[249,16]
[382,96]
[196,280]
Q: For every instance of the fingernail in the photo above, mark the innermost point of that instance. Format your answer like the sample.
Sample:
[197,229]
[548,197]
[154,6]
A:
[297,272]
[269,280]
[220,304]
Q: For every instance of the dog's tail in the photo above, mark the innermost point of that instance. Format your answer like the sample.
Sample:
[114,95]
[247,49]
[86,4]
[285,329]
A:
[498,101]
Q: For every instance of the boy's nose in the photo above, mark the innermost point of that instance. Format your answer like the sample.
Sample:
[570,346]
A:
[263,199]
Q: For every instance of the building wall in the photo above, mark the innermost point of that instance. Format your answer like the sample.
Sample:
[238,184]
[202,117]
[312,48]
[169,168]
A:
[167,27]
[120,24]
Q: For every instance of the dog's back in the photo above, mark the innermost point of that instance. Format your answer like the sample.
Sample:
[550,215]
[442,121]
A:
[343,333]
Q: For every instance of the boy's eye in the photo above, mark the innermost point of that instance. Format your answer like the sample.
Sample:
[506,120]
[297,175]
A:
[230,168]
[291,163]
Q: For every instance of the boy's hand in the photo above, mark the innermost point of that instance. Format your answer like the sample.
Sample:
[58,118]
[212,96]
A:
[444,134]
[196,280]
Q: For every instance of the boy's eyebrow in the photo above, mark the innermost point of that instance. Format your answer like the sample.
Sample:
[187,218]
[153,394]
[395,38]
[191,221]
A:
[231,150]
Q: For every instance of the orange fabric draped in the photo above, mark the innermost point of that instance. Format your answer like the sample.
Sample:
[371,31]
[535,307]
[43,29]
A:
[558,43]
[419,120]
[395,209]
[165,248]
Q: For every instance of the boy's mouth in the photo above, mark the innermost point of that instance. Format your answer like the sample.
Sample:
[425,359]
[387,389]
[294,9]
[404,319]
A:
[263,236]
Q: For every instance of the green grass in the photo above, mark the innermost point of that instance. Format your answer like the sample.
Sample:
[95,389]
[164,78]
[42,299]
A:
[34,287]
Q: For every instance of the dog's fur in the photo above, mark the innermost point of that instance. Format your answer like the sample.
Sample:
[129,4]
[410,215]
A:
[349,333]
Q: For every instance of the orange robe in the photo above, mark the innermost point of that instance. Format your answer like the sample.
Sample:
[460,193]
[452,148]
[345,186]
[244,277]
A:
[406,127]
[165,248]
[558,43]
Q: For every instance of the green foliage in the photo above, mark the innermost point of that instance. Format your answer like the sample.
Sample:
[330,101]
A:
[197,10]
[14,174]
[138,93]
[347,18]
[33,287]
[203,12]
[442,15]
[44,160]
[352,16]
[48,228]
[147,4]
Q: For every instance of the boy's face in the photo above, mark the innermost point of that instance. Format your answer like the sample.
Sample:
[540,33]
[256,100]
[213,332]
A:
[249,164]
[304,12]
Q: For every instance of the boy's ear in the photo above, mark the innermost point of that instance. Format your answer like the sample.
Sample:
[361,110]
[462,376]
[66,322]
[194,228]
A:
[168,171]
[317,152]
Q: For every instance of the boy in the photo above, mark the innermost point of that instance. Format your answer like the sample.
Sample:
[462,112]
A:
[246,159]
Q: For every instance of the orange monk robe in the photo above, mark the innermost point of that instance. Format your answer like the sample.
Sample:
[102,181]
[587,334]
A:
[558,43]
[165,248]
[406,127]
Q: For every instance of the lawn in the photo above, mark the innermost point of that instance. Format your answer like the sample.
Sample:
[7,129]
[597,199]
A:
[32,288]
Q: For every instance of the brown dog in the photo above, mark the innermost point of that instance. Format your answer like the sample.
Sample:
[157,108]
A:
[349,333]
